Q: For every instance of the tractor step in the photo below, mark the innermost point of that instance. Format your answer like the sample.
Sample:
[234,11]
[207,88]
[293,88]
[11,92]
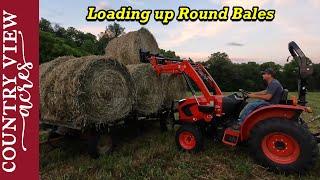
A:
[231,137]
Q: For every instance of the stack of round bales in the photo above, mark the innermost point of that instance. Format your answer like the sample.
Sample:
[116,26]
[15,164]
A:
[153,92]
[87,90]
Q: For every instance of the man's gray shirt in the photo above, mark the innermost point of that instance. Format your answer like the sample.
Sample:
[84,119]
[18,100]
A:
[275,89]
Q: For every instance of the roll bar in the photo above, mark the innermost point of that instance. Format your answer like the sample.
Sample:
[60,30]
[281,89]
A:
[305,70]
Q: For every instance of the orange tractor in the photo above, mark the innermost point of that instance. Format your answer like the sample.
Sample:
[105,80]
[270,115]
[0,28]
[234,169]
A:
[278,137]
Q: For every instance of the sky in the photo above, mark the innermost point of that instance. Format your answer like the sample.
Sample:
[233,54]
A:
[243,41]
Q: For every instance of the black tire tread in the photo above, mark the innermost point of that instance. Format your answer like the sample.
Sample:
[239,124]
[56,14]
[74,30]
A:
[196,132]
[309,145]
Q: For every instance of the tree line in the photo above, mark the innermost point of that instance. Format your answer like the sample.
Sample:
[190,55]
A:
[232,76]
[58,41]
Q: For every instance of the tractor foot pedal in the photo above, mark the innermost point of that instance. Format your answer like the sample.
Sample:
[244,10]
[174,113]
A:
[231,137]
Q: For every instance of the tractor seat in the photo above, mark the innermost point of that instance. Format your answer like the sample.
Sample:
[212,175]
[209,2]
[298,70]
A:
[206,109]
[284,96]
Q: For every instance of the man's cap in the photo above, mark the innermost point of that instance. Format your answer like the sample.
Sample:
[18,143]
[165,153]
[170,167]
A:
[268,71]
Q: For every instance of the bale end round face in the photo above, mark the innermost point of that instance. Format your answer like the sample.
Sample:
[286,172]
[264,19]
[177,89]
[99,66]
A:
[86,90]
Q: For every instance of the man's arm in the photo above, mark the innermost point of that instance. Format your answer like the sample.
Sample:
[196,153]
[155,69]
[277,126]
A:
[265,96]
[268,93]
[260,92]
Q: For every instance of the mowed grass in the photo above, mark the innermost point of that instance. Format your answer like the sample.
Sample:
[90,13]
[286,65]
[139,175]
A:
[152,154]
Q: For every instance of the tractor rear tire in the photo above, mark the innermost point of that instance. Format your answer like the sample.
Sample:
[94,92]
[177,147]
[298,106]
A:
[283,146]
[189,138]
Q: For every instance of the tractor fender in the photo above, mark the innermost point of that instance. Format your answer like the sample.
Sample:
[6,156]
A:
[284,112]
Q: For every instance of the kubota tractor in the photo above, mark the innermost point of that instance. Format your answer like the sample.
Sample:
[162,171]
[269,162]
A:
[277,136]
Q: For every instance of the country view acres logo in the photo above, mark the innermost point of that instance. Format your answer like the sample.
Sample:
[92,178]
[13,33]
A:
[16,97]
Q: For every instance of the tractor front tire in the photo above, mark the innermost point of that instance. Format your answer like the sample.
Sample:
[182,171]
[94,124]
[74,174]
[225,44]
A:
[189,138]
[283,146]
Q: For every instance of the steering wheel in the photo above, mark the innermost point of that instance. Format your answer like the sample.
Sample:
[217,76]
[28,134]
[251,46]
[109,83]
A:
[244,93]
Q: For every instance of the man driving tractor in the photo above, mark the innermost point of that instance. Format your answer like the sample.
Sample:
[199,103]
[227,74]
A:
[272,95]
[276,134]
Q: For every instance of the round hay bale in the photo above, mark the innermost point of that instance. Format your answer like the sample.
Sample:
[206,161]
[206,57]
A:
[175,88]
[148,86]
[45,69]
[126,47]
[87,90]
[48,66]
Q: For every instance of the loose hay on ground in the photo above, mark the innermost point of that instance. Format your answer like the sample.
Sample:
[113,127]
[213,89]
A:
[126,47]
[86,90]
[149,88]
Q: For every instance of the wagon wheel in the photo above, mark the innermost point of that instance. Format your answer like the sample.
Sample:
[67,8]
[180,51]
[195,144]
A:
[99,144]
[105,144]
[163,124]
[167,118]
[54,139]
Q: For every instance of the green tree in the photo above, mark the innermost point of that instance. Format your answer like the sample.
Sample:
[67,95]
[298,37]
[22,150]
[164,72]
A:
[102,44]
[168,53]
[290,75]
[45,25]
[248,76]
[57,41]
[221,68]
[112,31]
[52,47]
[116,29]
[89,45]
[59,31]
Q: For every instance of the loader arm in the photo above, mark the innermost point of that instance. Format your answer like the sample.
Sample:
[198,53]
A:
[192,70]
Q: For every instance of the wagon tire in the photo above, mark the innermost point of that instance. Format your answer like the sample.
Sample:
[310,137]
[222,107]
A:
[99,144]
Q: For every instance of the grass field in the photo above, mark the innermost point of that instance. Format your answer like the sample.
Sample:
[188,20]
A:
[153,155]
